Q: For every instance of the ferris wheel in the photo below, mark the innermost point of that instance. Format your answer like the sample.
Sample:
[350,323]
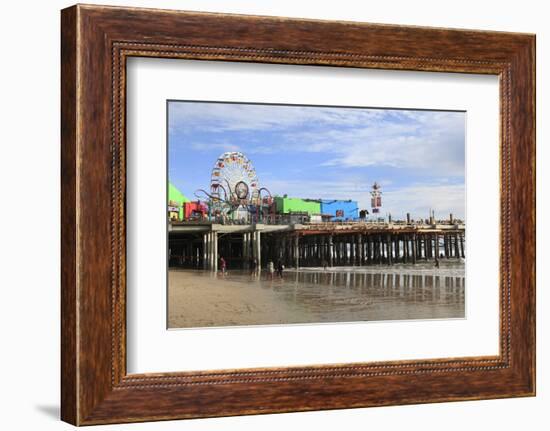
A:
[234,181]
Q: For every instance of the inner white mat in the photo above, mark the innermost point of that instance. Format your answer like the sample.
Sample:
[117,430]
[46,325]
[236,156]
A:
[153,348]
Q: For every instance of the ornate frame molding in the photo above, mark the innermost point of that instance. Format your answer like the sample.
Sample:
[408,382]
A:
[96,41]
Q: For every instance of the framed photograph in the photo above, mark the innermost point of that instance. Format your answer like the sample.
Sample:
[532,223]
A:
[262,214]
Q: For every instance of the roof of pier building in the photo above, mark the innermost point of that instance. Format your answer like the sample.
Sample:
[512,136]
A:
[175,195]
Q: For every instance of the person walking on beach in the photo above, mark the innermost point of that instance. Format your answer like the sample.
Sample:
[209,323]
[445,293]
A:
[280,268]
[270,269]
[223,265]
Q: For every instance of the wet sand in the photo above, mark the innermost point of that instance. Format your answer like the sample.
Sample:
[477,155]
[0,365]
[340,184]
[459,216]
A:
[314,295]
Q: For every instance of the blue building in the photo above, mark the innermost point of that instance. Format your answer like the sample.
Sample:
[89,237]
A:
[340,210]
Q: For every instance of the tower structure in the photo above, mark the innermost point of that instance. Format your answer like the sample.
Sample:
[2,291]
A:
[376,198]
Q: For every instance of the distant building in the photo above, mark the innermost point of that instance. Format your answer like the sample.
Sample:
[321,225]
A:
[196,210]
[285,205]
[340,209]
[295,218]
[176,201]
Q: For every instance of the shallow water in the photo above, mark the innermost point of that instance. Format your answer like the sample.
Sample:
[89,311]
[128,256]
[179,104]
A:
[314,295]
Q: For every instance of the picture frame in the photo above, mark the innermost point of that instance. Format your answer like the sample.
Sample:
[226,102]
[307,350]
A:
[96,41]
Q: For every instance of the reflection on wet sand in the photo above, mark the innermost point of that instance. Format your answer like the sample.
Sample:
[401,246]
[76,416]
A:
[200,299]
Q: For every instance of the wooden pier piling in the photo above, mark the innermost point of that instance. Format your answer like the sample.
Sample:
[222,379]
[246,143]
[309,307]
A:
[314,245]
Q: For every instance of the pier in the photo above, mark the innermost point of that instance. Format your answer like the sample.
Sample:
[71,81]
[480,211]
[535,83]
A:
[201,244]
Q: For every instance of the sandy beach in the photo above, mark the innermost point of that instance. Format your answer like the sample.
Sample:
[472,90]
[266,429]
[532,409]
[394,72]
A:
[314,295]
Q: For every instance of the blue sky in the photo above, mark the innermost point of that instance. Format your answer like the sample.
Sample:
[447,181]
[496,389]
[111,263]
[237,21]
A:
[327,152]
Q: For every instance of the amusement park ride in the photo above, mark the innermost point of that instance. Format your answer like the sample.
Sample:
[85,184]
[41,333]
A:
[235,192]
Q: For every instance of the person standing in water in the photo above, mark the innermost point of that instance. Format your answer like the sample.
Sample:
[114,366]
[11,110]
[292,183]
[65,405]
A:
[270,269]
[253,267]
[223,265]
[280,268]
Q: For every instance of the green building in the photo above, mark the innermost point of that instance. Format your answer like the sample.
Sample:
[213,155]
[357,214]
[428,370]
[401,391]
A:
[286,205]
[174,195]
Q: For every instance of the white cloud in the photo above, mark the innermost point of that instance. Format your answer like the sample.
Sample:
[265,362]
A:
[432,141]
[428,144]
[222,146]
[437,147]
[220,117]
[419,199]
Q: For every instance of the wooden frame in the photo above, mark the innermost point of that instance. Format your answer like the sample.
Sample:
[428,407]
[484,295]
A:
[96,41]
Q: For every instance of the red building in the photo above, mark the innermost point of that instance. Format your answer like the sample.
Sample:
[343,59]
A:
[196,210]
